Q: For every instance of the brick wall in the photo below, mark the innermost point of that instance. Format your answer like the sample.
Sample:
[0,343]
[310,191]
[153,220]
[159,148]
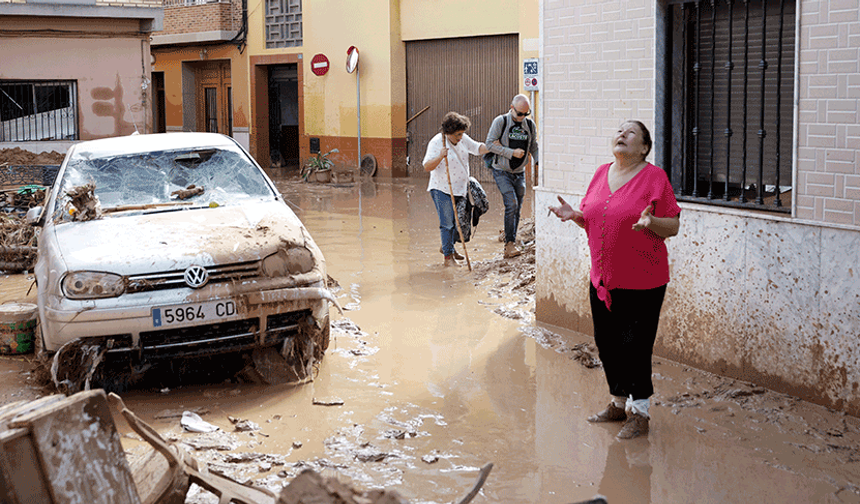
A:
[828,158]
[202,18]
[598,70]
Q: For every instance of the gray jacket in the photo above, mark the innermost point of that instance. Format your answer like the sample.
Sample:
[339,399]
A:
[502,153]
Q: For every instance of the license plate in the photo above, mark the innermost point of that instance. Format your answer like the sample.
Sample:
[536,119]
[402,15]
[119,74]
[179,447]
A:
[198,313]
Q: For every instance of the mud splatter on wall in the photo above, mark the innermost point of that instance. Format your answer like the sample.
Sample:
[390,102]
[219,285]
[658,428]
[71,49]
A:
[751,297]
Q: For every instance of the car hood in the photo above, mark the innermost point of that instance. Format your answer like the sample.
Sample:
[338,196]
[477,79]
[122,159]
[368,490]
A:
[137,244]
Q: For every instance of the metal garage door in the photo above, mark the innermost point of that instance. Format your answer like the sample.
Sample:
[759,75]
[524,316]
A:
[475,76]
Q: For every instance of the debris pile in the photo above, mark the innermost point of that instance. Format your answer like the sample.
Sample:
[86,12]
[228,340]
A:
[18,156]
[17,238]
[84,204]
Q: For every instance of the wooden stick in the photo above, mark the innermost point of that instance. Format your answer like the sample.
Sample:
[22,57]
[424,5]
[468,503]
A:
[454,204]
[418,114]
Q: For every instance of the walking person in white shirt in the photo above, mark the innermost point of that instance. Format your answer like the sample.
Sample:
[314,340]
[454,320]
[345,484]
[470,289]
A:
[457,147]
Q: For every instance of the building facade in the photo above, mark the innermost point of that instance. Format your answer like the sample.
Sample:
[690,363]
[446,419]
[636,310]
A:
[74,70]
[282,63]
[754,108]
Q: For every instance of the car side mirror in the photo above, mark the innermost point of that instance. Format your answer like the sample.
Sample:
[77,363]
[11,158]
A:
[34,215]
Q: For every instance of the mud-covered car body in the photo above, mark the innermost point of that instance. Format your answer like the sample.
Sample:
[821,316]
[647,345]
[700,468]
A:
[152,275]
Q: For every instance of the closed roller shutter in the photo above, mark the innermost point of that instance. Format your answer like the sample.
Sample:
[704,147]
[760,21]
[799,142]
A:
[475,76]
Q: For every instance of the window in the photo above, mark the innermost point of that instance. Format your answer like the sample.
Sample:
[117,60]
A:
[730,95]
[283,23]
[38,110]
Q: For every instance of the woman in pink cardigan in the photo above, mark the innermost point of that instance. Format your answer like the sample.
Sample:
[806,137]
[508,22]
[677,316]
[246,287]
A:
[628,211]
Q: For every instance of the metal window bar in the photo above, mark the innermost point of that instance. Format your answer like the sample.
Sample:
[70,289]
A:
[715,168]
[211,107]
[32,111]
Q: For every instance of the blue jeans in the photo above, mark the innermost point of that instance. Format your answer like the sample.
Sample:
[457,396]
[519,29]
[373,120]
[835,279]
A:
[447,226]
[513,189]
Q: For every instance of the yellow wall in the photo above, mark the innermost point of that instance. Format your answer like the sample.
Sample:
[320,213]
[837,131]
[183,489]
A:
[330,28]
[431,19]
[378,28]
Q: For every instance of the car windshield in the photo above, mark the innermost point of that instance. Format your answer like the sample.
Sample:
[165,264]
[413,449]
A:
[153,180]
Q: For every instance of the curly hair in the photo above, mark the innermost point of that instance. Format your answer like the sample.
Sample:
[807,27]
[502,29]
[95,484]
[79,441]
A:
[454,122]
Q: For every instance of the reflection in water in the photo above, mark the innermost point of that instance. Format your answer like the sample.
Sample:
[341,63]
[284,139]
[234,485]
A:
[627,475]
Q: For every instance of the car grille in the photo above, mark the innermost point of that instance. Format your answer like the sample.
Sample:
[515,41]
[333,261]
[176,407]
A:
[195,340]
[176,279]
[283,325]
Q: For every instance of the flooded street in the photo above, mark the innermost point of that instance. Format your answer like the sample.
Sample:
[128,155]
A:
[433,373]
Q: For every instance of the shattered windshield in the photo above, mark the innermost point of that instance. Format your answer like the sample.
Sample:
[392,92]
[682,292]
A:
[155,180]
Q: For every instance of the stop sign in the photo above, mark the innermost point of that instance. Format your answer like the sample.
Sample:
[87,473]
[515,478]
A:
[319,64]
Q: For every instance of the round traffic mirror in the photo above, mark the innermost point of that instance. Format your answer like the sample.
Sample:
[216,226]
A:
[351,59]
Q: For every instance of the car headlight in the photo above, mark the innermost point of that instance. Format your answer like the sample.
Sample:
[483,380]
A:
[293,261]
[92,285]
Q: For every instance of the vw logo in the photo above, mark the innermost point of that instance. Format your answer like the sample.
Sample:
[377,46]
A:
[196,276]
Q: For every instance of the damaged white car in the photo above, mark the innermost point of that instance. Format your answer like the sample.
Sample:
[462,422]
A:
[176,245]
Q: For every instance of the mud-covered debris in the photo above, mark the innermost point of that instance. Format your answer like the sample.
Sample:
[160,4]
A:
[177,413]
[84,204]
[188,192]
[369,453]
[192,422]
[309,486]
[328,401]
[246,426]
[585,354]
[430,458]
[394,434]
[297,444]
[220,441]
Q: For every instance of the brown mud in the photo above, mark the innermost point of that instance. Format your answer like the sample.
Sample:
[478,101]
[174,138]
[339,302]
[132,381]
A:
[433,372]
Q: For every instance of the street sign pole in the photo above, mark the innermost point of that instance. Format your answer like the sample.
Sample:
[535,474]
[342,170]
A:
[358,109]
[352,66]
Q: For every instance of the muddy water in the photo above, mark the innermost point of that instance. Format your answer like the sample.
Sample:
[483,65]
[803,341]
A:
[424,383]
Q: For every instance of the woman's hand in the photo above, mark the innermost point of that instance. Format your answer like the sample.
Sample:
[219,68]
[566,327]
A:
[433,163]
[565,212]
[665,227]
[518,153]
[644,220]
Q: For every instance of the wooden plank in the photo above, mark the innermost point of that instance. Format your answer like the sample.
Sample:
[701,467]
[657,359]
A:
[22,476]
[80,451]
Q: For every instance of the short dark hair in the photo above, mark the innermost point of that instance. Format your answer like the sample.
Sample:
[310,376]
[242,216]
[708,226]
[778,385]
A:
[646,135]
[454,122]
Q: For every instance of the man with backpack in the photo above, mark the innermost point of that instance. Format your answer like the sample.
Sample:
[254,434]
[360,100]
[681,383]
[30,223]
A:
[511,137]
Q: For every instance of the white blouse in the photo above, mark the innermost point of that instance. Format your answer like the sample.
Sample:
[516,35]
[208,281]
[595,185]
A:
[458,164]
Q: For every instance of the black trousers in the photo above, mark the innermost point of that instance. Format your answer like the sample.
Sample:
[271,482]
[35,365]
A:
[625,338]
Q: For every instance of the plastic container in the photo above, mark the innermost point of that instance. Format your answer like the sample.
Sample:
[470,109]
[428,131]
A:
[17,328]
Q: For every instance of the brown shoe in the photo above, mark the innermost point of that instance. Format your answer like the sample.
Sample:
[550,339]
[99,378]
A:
[635,426]
[612,413]
[511,250]
[450,261]
[456,254]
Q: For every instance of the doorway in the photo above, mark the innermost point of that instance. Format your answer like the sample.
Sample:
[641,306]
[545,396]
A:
[159,124]
[284,114]
[214,98]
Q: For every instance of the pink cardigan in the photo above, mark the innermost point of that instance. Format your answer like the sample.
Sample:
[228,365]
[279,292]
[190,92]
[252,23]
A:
[620,257]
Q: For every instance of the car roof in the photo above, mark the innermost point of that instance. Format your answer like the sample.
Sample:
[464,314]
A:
[135,143]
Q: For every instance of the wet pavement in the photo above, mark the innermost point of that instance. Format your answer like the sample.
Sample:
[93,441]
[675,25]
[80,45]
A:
[434,372]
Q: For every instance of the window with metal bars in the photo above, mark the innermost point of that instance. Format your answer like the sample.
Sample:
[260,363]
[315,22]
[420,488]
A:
[38,110]
[283,23]
[731,90]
